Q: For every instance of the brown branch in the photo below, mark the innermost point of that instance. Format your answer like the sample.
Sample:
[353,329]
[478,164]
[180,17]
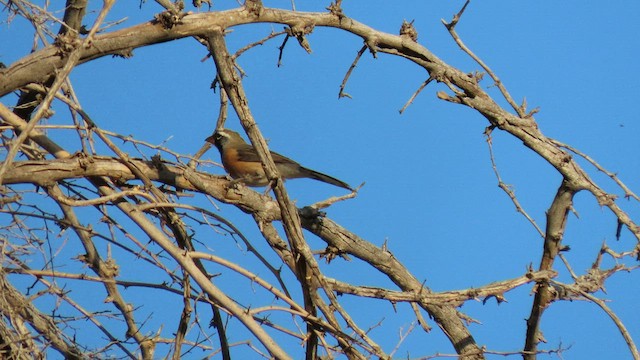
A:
[253,278]
[215,186]
[100,200]
[520,110]
[299,30]
[341,93]
[257,43]
[63,275]
[627,192]
[106,270]
[46,273]
[235,92]
[554,232]
[506,188]
[403,337]
[616,320]
[44,172]
[34,68]
[172,8]
[233,231]
[559,350]
[307,269]
[445,315]
[525,129]
[70,62]
[421,321]
[14,305]
[73,16]
[280,246]
[281,49]
[294,307]
[334,199]
[200,277]
[185,317]
[39,274]
[415,94]
[171,219]
[233,87]
[465,87]
[69,29]
[52,148]
[224,106]
[38,137]
[455,297]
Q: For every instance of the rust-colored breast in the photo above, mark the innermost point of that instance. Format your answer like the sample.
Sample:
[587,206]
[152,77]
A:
[250,172]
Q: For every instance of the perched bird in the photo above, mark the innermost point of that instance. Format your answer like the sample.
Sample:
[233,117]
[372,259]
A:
[242,162]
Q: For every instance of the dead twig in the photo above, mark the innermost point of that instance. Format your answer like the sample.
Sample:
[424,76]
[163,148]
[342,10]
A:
[341,93]
[415,94]
[520,110]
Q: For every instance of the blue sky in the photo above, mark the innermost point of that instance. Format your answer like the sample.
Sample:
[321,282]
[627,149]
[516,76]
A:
[430,190]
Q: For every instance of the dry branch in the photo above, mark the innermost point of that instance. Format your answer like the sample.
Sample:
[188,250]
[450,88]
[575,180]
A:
[154,210]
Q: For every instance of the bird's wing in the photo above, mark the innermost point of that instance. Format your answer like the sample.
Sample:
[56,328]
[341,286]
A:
[249,154]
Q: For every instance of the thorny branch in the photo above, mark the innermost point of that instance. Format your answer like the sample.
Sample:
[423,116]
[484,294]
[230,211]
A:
[158,212]
[305,267]
[341,93]
[556,218]
[573,182]
[507,188]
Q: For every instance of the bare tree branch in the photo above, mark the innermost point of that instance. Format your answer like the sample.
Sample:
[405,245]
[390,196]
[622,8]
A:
[151,209]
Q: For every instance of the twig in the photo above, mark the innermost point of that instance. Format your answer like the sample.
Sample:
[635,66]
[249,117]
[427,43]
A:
[106,269]
[70,63]
[234,230]
[623,330]
[185,316]
[506,188]
[415,94]
[294,308]
[102,199]
[520,110]
[334,199]
[403,337]
[224,108]
[420,318]
[281,49]
[257,43]
[341,93]
[568,266]
[19,310]
[627,192]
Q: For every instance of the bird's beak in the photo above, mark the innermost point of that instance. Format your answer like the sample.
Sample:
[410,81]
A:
[211,138]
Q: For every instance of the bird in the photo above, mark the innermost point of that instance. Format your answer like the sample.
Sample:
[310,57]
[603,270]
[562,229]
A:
[241,161]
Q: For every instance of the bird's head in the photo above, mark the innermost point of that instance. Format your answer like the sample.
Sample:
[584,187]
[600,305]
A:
[223,137]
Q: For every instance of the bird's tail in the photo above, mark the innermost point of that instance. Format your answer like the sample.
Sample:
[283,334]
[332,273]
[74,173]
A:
[326,178]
